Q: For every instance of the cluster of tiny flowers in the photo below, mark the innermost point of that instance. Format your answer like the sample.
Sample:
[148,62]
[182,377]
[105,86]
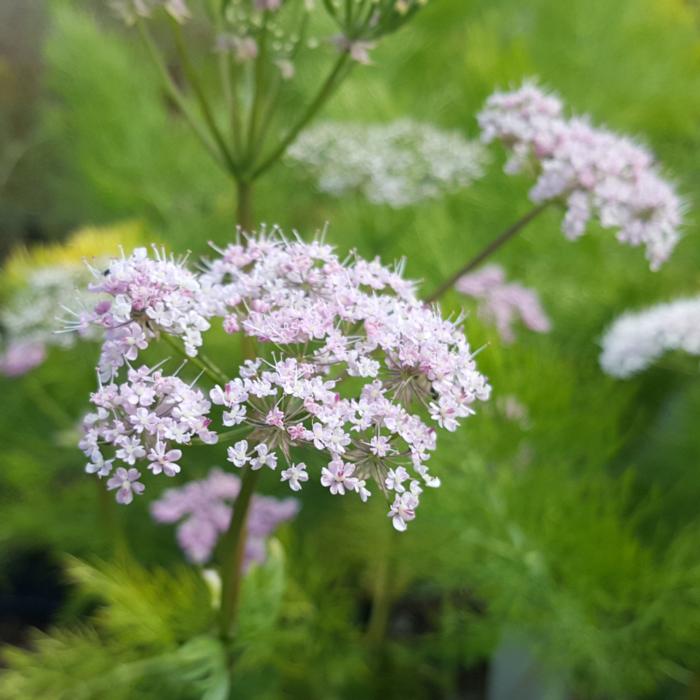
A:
[144,297]
[398,164]
[354,353]
[503,303]
[141,420]
[203,509]
[590,170]
[636,340]
[28,316]
[350,364]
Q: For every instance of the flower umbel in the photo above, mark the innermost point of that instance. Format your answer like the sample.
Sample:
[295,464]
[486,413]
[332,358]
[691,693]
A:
[399,164]
[351,367]
[591,171]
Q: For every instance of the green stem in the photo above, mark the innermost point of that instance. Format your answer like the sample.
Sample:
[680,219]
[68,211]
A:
[204,107]
[381,603]
[109,520]
[325,91]
[233,548]
[244,211]
[176,96]
[48,405]
[208,367]
[491,248]
[257,91]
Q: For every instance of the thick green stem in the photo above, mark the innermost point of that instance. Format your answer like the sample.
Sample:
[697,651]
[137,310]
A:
[232,551]
[325,91]
[381,602]
[491,248]
[244,206]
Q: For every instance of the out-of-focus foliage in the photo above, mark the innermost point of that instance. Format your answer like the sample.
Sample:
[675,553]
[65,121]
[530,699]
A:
[152,635]
[574,523]
[84,245]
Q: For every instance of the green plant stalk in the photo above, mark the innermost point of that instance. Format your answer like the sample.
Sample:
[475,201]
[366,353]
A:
[325,91]
[244,204]
[258,85]
[177,97]
[233,548]
[381,603]
[204,107]
[486,252]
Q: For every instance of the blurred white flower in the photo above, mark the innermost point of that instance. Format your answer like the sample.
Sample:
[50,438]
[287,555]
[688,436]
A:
[637,339]
[398,164]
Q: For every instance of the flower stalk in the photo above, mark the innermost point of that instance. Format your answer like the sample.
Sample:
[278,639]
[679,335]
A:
[489,250]
[232,549]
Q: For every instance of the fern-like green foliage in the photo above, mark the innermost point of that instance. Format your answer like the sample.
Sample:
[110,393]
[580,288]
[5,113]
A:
[151,630]
[149,607]
[124,146]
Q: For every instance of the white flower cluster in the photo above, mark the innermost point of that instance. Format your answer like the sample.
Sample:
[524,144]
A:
[399,164]
[351,365]
[636,340]
[28,317]
[591,171]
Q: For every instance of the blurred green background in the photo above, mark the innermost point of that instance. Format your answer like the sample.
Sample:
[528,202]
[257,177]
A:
[570,543]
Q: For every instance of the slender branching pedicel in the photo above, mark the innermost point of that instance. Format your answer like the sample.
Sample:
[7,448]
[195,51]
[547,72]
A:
[399,164]
[257,49]
[638,339]
[352,371]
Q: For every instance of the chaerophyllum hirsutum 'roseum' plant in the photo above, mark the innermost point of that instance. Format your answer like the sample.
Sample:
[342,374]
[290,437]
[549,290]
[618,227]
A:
[349,363]
[350,371]
[503,303]
[203,510]
[398,164]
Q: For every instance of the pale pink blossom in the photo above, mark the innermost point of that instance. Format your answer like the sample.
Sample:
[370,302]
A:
[592,172]
[503,303]
[204,507]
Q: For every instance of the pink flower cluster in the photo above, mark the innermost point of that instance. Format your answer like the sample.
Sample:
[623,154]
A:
[145,297]
[140,420]
[590,170]
[351,365]
[20,357]
[504,303]
[204,509]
